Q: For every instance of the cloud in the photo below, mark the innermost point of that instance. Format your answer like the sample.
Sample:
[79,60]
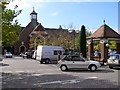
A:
[22,4]
[55,13]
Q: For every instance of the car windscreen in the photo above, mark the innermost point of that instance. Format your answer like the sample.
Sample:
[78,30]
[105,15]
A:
[67,58]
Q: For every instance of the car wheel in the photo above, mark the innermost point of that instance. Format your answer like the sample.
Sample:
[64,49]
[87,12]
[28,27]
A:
[93,68]
[110,67]
[63,68]
[47,61]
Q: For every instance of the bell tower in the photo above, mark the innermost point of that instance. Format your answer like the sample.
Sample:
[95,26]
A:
[33,15]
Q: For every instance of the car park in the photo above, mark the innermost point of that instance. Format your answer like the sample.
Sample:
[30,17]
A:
[77,62]
[8,55]
[113,61]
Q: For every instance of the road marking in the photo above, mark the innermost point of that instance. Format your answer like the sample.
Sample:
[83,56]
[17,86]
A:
[62,82]
[73,81]
[91,77]
[42,74]
[19,71]
[7,71]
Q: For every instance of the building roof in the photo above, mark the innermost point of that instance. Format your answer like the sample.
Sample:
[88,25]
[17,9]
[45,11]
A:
[104,32]
[27,30]
[39,27]
[33,12]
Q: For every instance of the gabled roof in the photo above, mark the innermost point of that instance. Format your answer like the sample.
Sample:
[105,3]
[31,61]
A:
[27,30]
[104,32]
[39,27]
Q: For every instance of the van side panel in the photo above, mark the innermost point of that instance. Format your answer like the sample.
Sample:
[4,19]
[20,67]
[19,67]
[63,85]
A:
[39,52]
[47,52]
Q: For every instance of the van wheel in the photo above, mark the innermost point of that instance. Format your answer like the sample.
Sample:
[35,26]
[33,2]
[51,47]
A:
[47,61]
[93,68]
[63,68]
[41,62]
[110,67]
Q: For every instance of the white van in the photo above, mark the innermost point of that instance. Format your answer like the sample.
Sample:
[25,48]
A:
[47,54]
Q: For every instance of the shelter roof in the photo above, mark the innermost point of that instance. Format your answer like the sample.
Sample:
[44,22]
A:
[104,32]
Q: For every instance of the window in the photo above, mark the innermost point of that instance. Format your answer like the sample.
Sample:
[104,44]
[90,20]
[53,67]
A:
[117,57]
[57,52]
[34,16]
[67,58]
[75,58]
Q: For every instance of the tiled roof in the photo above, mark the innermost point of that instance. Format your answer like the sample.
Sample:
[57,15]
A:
[105,32]
[26,31]
[39,27]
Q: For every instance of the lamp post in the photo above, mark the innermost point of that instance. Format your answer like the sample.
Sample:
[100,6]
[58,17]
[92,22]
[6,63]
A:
[35,43]
[74,34]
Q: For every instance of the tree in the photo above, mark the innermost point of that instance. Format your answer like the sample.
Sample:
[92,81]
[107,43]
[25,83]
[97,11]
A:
[112,45]
[83,41]
[10,26]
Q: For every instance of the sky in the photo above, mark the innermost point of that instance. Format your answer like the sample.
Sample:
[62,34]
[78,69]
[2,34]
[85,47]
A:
[52,13]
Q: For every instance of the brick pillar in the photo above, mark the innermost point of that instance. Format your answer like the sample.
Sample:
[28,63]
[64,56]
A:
[118,46]
[104,52]
[90,49]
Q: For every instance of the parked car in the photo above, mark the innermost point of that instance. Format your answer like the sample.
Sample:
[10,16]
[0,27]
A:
[8,55]
[77,62]
[113,61]
[1,57]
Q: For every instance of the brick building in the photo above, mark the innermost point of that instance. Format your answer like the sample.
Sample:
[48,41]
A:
[30,33]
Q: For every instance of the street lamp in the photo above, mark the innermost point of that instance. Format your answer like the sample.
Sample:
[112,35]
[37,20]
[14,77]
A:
[74,32]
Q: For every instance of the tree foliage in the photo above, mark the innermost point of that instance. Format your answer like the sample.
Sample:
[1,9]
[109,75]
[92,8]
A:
[83,41]
[10,26]
[112,45]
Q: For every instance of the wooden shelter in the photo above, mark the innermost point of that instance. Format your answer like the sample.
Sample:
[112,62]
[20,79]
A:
[104,34]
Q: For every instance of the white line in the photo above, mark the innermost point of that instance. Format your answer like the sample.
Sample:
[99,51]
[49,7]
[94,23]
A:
[67,81]
[19,71]
[63,82]
[42,74]
[91,77]
[7,71]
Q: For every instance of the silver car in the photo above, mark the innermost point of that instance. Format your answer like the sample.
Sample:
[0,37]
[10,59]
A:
[77,62]
[8,55]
